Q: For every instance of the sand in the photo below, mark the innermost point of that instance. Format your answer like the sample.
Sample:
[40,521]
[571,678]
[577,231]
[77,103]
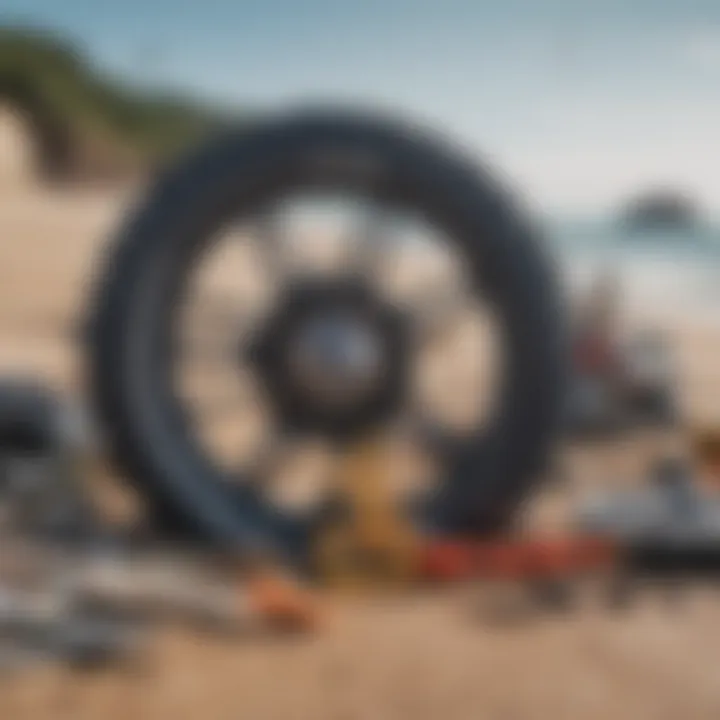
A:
[421,657]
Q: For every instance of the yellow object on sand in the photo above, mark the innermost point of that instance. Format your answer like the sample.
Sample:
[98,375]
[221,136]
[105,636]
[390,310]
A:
[370,543]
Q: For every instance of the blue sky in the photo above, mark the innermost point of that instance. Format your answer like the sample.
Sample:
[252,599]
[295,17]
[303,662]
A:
[579,102]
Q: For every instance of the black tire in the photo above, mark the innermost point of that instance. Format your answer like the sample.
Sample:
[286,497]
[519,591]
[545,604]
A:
[235,173]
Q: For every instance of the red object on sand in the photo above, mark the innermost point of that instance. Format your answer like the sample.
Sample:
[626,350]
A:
[522,559]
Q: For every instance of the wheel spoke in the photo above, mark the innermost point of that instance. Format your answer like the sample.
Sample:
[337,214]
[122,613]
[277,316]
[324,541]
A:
[427,435]
[436,312]
[370,242]
[288,472]
[270,246]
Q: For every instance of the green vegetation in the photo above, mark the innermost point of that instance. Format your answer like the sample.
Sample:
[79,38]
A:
[88,120]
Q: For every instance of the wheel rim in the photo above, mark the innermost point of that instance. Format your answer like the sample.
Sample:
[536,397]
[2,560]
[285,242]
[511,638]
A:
[403,414]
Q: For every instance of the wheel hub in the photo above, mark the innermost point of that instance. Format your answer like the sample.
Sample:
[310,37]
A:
[338,358]
[332,358]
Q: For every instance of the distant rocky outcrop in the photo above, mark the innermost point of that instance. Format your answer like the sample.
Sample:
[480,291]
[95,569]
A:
[660,210]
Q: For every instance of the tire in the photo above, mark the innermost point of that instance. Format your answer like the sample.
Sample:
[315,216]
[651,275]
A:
[489,477]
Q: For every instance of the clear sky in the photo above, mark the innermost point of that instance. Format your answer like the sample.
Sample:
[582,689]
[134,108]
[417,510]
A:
[580,102]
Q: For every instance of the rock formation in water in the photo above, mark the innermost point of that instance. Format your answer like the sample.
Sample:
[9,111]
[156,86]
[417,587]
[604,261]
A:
[660,210]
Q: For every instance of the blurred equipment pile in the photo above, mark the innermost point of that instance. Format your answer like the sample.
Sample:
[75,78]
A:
[75,588]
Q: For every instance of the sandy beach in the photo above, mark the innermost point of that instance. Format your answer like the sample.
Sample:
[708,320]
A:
[420,658]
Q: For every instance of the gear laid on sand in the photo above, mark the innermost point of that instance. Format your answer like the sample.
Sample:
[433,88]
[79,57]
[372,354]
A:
[332,360]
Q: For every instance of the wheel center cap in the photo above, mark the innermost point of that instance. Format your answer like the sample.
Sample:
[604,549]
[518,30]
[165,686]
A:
[337,358]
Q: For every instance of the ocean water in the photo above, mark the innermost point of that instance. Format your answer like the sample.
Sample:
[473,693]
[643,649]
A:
[665,274]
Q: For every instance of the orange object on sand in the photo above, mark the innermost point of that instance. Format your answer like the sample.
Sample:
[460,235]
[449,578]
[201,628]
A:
[282,602]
